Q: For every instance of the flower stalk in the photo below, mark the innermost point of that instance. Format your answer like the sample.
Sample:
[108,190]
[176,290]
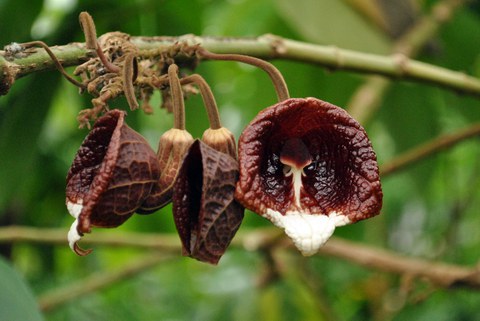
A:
[277,78]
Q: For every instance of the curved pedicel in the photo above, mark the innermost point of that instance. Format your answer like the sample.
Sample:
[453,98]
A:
[172,147]
[111,175]
[307,166]
[217,136]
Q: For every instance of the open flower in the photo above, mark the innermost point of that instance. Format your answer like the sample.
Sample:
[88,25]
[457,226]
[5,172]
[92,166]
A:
[112,173]
[307,166]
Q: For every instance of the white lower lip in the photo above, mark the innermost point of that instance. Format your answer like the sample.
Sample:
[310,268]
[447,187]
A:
[74,209]
[308,232]
[73,236]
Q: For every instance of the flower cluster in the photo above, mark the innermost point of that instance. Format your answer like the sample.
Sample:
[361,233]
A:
[304,164]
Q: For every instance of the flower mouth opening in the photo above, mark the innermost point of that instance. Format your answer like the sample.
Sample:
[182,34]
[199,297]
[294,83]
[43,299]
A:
[318,175]
[307,166]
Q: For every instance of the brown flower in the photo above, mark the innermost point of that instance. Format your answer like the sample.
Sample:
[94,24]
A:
[112,174]
[204,209]
[307,166]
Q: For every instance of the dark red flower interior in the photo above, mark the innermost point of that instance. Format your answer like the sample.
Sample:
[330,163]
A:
[340,172]
[295,153]
[90,156]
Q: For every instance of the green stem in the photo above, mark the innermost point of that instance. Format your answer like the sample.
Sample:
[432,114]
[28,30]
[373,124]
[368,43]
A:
[367,98]
[265,47]
[57,63]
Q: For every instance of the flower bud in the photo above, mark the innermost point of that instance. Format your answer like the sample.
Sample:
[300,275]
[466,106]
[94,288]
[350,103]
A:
[222,140]
[171,149]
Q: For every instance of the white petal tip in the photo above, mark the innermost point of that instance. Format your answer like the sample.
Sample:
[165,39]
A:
[75,208]
[308,232]
[73,236]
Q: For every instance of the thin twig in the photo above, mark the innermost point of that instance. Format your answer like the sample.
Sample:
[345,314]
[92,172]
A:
[97,281]
[165,243]
[129,74]
[420,152]
[91,42]
[267,47]
[440,274]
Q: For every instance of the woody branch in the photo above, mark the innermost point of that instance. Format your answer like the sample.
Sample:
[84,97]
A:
[399,66]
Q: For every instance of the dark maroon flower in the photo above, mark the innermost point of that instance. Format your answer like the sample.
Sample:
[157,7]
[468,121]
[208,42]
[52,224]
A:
[204,208]
[307,166]
[111,175]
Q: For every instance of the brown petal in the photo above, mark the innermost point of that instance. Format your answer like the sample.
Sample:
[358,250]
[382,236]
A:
[205,212]
[305,158]
[111,175]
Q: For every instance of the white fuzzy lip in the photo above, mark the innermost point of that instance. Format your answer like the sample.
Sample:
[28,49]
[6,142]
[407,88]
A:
[74,209]
[308,231]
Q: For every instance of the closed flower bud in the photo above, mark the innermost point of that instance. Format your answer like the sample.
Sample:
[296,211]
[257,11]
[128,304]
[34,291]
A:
[222,140]
[172,147]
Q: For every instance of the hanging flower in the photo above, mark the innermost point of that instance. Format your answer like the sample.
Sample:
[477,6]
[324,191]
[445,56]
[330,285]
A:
[206,214]
[112,173]
[308,167]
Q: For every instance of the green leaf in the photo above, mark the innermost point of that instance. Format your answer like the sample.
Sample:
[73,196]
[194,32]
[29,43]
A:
[16,19]
[26,107]
[16,299]
[332,22]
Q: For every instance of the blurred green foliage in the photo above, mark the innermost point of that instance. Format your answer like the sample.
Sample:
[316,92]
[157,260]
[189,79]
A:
[430,209]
